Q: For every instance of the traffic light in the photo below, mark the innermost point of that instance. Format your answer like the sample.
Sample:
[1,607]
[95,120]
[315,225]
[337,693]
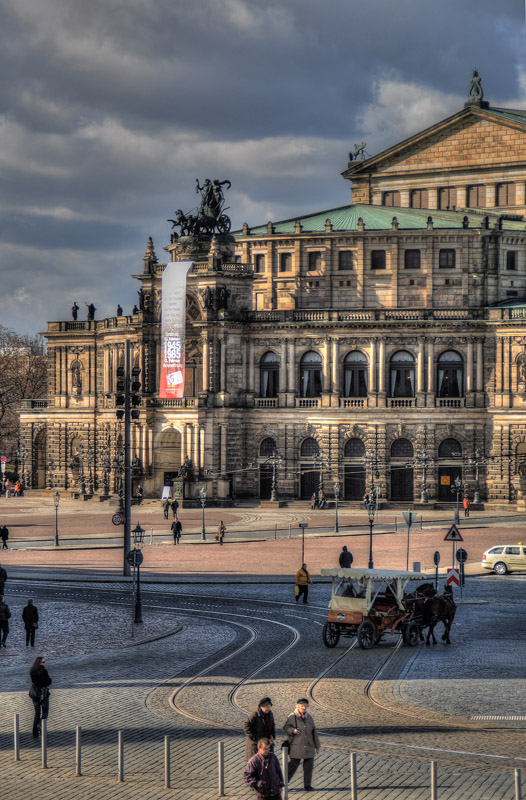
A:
[135,397]
[120,397]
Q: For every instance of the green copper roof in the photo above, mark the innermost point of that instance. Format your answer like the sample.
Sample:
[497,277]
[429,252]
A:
[513,114]
[378,218]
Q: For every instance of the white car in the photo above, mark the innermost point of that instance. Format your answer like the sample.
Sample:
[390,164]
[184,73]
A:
[504,558]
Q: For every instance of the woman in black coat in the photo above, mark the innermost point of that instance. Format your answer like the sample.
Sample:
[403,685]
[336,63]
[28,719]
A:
[259,725]
[39,692]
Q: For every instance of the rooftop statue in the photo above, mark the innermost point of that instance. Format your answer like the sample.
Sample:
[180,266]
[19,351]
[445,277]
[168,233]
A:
[209,217]
[358,152]
[475,87]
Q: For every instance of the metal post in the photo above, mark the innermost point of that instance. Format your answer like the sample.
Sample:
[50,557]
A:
[167,784]
[120,757]
[285,770]
[78,752]
[44,743]
[276,530]
[56,526]
[302,546]
[127,460]
[290,529]
[518,787]
[433,780]
[16,737]
[354,777]
[138,605]
[221,768]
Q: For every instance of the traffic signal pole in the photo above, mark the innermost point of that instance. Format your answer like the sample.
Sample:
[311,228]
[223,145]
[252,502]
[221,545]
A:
[127,461]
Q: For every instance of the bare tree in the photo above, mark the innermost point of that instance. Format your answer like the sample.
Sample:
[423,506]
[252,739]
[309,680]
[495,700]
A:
[23,374]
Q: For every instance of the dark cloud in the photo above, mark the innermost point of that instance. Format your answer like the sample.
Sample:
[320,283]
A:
[109,111]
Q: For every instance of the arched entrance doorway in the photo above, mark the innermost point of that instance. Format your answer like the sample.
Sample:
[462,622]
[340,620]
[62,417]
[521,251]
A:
[354,470]
[168,458]
[40,450]
[309,471]
[267,449]
[449,452]
[401,475]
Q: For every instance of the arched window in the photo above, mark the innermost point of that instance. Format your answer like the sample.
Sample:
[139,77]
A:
[450,448]
[355,374]
[267,447]
[402,448]
[450,374]
[269,375]
[354,448]
[310,375]
[309,448]
[402,374]
[520,457]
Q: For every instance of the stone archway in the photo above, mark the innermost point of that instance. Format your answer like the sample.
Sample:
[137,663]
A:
[168,458]
[40,459]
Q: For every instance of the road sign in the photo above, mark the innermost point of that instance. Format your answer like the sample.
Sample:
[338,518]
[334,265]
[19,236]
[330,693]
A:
[462,555]
[453,535]
[2,466]
[303,524]
[409,517]
[3,459]
[436,558]
[453,577]
[135,558]
[117,519]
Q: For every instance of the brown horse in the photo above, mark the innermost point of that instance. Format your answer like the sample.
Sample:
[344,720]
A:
[430,609]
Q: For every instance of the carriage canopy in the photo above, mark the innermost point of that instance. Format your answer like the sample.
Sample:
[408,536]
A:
[358,589]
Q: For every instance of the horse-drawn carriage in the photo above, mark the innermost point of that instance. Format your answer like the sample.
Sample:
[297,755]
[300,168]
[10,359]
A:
[367,603]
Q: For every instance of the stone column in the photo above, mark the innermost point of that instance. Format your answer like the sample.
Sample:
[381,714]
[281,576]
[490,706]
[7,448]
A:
[292,366]
[189,449]
[480,365]
[183,442]
[326,366]
[196,458]
[381,367]
[432,198]
[201,435]
[461,197]
[335,366]
[372,366]
[283,367]
[251,386]
[223,448]
[420,367]
[204,337]
[431,366]
[223,381]
[469,369]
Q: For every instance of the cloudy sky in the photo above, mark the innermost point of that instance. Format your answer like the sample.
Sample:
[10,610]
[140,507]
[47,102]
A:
[109,111]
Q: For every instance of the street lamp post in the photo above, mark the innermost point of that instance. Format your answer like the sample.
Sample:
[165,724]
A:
[336,496]
[138,539]
[202,495]
[276,462]
[371,510]
[457,488]
[50,470]
[56,500]
[477,461]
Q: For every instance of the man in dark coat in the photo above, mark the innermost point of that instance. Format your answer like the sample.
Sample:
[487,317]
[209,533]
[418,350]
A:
[4,620]
[4,535]
[259,725]
[263,773]
[177,529]
[175,506]
[166,508]
[346,558]
[3,578]
[30,617]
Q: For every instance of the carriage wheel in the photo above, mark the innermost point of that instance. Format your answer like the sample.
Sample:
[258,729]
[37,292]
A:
[366,634]
[331,635]
[411,634]
[224,224]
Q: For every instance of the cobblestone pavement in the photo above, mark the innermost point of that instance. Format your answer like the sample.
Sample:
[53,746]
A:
[417,692]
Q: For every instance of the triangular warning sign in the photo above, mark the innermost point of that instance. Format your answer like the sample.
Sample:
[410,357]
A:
[453,535]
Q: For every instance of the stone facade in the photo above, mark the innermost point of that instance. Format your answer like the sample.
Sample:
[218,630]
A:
[371,345]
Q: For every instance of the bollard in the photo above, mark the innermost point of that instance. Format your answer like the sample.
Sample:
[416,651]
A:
[518,787]
[120,758]
[354,778]
[78,752]
[44,743]
[285,770]
[16,737]
[433,780]
[421,522]
[151,535]
[290,529]
[167,784]
[275,531]
[396,524]
[221,768]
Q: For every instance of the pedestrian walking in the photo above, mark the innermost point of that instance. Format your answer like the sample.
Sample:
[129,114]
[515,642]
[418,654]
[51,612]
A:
[466,506]
[346,558]
[365,500]
[258,725]
[166,508]
[302,580]
[314,501]
[176,529]
[321,499]
[18,489]
[139,494]
[5,615]
[30,618]
[39,692]
[304,742]
[4,535]
[175,505]
[221,532]
[3,578]
[263,772]
[8,487]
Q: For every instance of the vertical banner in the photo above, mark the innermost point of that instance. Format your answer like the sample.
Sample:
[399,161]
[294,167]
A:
[173,328]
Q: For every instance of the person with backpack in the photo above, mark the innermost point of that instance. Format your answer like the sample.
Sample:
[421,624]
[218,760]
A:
[39,692]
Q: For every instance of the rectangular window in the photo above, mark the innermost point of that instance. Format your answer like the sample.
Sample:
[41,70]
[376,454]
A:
[513,293]
[477,196]
[285,262]
[511,259]
[447,259]
[377,259]
[412,259]
[447,198]
[259,263]
[314,261]
[391,198]
[419,198]
[345,259]
[505,194]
